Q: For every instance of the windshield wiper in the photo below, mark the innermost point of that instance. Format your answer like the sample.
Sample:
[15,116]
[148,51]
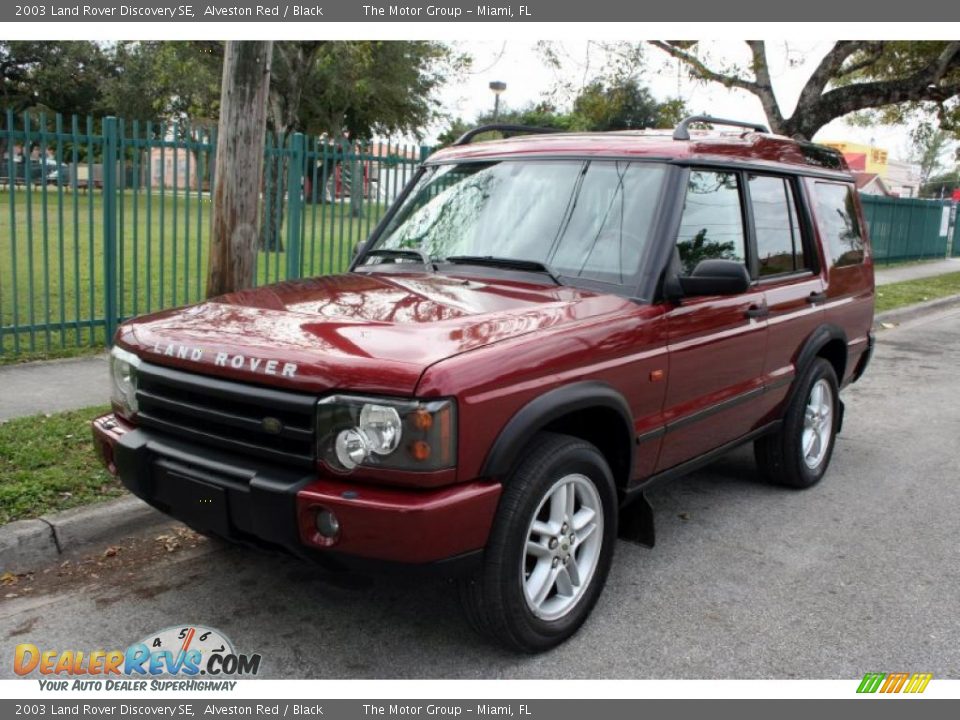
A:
[404,253]
[504,262]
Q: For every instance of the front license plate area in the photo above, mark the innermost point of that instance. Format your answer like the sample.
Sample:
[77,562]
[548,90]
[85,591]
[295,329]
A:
[200,504]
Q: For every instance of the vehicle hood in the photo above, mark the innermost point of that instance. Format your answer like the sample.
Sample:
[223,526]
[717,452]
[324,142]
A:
[363,332]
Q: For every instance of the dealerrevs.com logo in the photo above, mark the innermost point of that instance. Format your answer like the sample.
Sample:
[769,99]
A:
[154,663]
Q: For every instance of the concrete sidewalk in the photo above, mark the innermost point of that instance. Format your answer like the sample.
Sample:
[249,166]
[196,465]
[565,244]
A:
[916,271]
[51,386]
[58,385]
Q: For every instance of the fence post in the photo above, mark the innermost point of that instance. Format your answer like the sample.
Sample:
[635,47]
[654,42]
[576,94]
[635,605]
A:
[110,227]
[294,203]
[424,152]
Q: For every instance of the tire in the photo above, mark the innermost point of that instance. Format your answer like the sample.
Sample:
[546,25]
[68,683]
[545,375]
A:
[798,454]
[497,599]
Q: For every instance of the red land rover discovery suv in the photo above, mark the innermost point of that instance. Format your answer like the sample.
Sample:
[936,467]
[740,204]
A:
[539,329]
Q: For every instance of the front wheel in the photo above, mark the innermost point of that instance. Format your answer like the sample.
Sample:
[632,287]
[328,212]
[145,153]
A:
[550,546]
[799,453]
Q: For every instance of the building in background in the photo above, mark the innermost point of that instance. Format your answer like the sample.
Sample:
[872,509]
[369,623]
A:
[871,184]
[898,178]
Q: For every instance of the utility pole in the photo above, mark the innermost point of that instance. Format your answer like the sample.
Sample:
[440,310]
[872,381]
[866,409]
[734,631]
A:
[497,87]
[234,226]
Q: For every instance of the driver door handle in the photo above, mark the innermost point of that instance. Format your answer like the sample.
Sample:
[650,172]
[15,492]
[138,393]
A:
[755,312]
[816,297]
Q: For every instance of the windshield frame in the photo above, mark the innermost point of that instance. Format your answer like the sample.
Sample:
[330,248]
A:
[636,286]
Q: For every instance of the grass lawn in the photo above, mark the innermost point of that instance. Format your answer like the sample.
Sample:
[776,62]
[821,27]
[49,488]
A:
[52,260]
[911,292]
[48,464]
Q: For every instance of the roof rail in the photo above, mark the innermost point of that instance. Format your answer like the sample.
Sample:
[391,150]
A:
[682,131]
[499,127]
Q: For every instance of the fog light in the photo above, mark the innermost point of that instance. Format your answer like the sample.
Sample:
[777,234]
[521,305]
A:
[327,524]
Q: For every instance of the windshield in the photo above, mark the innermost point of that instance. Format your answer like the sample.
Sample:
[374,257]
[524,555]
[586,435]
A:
[581,219]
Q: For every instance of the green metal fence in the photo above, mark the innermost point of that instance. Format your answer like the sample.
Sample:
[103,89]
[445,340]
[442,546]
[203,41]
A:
[906,228]
[102,219]
[955,252]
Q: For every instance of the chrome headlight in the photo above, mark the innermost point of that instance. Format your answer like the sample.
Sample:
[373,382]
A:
[123,373]
[379,432]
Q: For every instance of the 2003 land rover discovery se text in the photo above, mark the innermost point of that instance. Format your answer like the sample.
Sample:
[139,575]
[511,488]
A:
[539,329]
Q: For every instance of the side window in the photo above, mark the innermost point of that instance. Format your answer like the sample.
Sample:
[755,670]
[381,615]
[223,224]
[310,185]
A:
[838,223]
[775,220]
[712,224]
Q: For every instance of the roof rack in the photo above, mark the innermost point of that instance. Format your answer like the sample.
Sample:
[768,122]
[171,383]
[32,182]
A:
[682,131]
[499,127]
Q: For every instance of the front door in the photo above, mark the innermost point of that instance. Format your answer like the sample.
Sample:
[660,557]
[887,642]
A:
[716,344]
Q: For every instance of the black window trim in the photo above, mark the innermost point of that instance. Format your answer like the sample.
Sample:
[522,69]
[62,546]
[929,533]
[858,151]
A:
[851,188]
[811,259]
[746,216]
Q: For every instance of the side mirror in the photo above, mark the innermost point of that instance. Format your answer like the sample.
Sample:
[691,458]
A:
[716,277]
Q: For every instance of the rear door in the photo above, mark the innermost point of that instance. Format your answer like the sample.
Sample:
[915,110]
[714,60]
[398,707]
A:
[787,269]
[717,344]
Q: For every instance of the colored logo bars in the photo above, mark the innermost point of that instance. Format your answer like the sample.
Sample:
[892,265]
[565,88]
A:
[894,682]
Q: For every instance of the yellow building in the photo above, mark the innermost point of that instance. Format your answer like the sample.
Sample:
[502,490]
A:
[862,158]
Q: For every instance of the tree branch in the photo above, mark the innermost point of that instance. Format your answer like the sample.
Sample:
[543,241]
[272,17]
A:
[828,69]
[763,87]
[874,53]
[701,70]
[922,85]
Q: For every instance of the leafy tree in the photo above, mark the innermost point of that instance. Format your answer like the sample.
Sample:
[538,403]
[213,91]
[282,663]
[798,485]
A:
[618,104]
[168,80]
[623,105]
[60,77]
[854,76]
[931,146]
[350,91]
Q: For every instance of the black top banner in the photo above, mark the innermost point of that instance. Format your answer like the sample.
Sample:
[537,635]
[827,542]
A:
[465,11]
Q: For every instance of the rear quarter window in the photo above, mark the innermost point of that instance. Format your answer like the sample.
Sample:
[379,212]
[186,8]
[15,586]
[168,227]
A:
[839,223]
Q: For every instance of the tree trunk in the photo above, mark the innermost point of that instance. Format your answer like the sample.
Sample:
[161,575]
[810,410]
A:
[271,222]
[239,163]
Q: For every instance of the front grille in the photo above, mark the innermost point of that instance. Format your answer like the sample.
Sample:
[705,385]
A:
[228,415]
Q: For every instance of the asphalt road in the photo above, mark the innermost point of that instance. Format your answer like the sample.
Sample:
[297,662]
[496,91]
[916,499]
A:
[747,581]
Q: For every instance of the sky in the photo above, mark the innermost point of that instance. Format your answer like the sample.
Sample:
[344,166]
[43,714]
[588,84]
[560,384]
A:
[519,65]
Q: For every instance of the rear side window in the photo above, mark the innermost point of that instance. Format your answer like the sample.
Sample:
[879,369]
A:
[838,223]
[712,224]
[779,243]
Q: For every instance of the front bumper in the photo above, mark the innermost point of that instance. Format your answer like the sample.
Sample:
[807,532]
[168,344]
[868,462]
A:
[248,501]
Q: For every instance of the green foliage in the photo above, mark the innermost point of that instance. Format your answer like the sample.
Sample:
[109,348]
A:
[912,292]
[625,105]
[56,76]
[164,80]
[134,80]
[934,100]
[361,88]
[319,87]
[602,105]
[47,464]
[931,145]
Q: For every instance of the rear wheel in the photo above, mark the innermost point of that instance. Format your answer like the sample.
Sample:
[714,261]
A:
[550,547]
[799,453]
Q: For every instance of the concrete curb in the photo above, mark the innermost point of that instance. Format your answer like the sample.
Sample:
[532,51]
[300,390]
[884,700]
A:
[912,312]
[26,545]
